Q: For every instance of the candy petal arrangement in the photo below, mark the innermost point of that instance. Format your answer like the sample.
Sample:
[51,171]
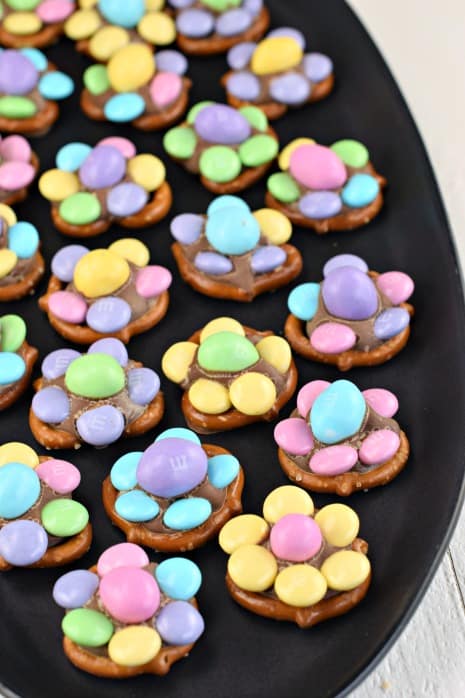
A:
[327,189]
[30,87]
[232,375]
[128,616]
[177,494]
[355,317]
[229,148]
[40,523]
[340,439]
[276,74]
[21,264]
[18,168]
[94,398]
[101,28]
[234,253]
[296,563]
[112,292]
[137,86]
[90,188]
[17,359]
[34,23]
[207,27]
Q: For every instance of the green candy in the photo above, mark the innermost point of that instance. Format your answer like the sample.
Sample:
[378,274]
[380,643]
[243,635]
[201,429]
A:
[23,5]
[80,208]
[87,627]
[220,163]
[227,351]
[221,5]
[193,111]
[12,332]
[96,79]
[180,142]
[283,187]
[256,118]
[352,153]
[258,150]
[95,376]
[64,517]
[14,107]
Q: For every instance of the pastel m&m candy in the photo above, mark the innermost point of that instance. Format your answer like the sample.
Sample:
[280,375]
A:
[295,537]
[130,594]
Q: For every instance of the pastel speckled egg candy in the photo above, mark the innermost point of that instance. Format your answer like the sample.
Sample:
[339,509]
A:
[171,467]
[295,537]
[317,167]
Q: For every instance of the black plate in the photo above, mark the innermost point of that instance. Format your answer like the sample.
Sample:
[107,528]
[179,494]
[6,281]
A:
[407,523]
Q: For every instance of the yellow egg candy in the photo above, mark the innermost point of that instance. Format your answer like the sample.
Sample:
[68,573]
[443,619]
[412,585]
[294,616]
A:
[147,170]
[252,393]
[209,396]
[252,568]
[17,452]
[276,351]
[83,23]
[154,5]
[157,28]
[8,260]
[345,570]
[339,524]
[57,185]
[22,23]
[284,159]
[221,324]
[131,67]
[274,225]
[287,499]
[100,273]
[8,215]
[106,41]
[247,529]
[86,4]
[177,360]
[134,645]
[275,55]
[300,585]
[133,250]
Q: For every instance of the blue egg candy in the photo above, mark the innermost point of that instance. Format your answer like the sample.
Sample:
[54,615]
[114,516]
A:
[231,231]
[124,107]
[222,470]
[186,514]
[36,57]
[123,474]
[361,190]
[55,85]
[12,367]
[338,412]
[121,12]
[23,239]
[136,506]
[227,201]
[303,301]
[178,578]
[19,489]
[179,433]
[71,156]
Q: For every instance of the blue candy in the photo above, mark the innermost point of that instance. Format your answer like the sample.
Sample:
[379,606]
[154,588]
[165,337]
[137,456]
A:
[71,156]
[12,367]
[36,57]
[74,589]
[391,322]
[360,190]
[19,490]
[178,578]
[338,412]
[227,201]
[179,433]
[55,85]
[143,385]
[23,239]
[232,231]
[122,12]
[222,470]
[185,514]
[136,506]
[124,107]
[123,473]
[303,301]
[109,314]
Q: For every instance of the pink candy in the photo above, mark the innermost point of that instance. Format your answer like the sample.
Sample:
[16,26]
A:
[308,394]
[379,447]
[59,475]
[317,167]
[165,88]
[382,401]
[333,338]
[129,594]
[55,10]
[15,148]
[294,436]
[68,306]
[295,537]
[15,175]
[121,555]
[333,460]
[124,145]
[396,286]
[152,280]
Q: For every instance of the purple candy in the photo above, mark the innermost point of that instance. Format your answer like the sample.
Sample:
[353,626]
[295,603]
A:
[51,405]
[23,542]
[344,260]
[212,263]
[350,294]
[171,467]
[233,22]
[74,589]
[111,346]
[103,167]
[292,88]
[291,33]
[100,426]
[169,61]
[219,123]
[239,56]
[179,4]
[143,385]
[391,322]
[186,228]
[317,66]
[179,623]
[195,23]
[253,6]
[108,314]
[320,204]
[18,75]
[126,199]
[55,364]
[243,85]
[267,258]
[64,261]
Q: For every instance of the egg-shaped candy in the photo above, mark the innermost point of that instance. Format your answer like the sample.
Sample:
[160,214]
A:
[391,322]
[238,56]
[361,190]
[12,332]
[112,347]
[103,167]
[338,412]
[275,55]
[131,67]
[243,85]
[227,351]
[195,23]
[308,394]
[379,446]
[95,376]
[344,260]
[60,475]
[19,490]
[350,294]
[75,588]
[303,301]
[396,286]
[123,474]
[12,367]
[317,167]
[18,74]
[186,514]
[68,306]
[123,14]
[121,555]
[100,273]
[130,594]
[222,124]
[65,260]
[136,506]
[51,405]
[232,231]
[252,568]
[333,338]
[293,435]
[87,627]
[124,107]
[212,263]
[178,578]
[143,385]
[171,467]
[382,401]
[186,228]
[320,204]
[291,89]
[23,542]
[287,499]
[267,258]
[179,623]
[64,517]
[222,469]
[333,460]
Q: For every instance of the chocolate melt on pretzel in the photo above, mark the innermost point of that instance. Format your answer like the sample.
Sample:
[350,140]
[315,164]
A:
[47,112]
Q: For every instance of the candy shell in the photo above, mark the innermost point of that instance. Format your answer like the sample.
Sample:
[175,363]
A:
[238,56]
[209,396]
[7,215]
[178,578]
[8,261]
[317,67]
[300,586]
[124,14]
[23,239]
[143,385]
[339,524]
[81,208]
[100,426]
[283,187]
[195,23]
[350,294]
[222,124]
[124,145]
[333,460]
[344,260]
[212,263]
[17,452]
[13,107]
[308,394]
[71,156]
[179,433]
[22,23]
[55,85]
[12,332]
[222,470]
[60,475]
[104,167]
[121,555]
[303,301]
[95,376]
[157,28]
[51,11]
[147,171]
[337,412]
[64,261]
[252,568]
[87,627]
[391,322]
[172,62]
[274,225]
[267,258]
[361,190]
[179,623]
[317,167]
[233,22]
[22,542]
[96,80]
[246,529]
[123,474]
[276,351]
[38,58]
[345,570]
[186,514]
[18,75]
[186,227]
[320,204]
[285,154]
[177,360]
[124,107]
[132,250]
[64,517]
[15,174]
[82,24]
[131,67]
[227,351]
[231,231]
[258,150]
[100,273]
[396,286]
[220,164]
[12,368]
[295,537]
[275,55]
[252,393]
[243,85]
[293,435]
[333,338]
[381,401]
[15,148]
[253,6]
[291,33]
[153,280]
[58,185]
[67,306]
[75,588]
[378,447]
[19,490]
[352,153]
[221,324]
[165,89]
[255,116]
[180,142]
[106,41]
[172,467]
[56,363]
[285,500]
[51,405]
[136,506]
[292,89]
[134,645]
[108,314]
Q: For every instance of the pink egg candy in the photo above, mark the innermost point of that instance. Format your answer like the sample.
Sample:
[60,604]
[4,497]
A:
[15,175]
[121,555]
[129,594]
[68,306]
[317,167]
[165,88]
[294,436]
[333,460]
[59,475]
[54,10]
[379,447]
[15,148]
[152,280]
[382,401]
[396,286]
[308,394]
[124,145]
[333,338]
[295,537]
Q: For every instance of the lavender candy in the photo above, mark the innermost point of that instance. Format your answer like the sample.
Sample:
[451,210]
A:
[100,426]
[179,623]
[233,22]
[186,228]
[143,385]
[239,56]
[212,263]
[180,4]
[391,322]
[195,23]
[170,61]
[291,33]
[23,542]
[267,258]
[74,589]
[55,364]
[113,347]
[51,405]
[104,167]
[344,260]
[126,199]
[292,89]
[109,314]
[171,467]
[219,123]
[320,204]
[243,85]
[64,261]
[350,294]
[18,75]
[254,7]
[317,66]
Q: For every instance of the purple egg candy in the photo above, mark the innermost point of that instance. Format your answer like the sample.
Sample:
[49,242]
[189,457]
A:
[344,260]
[103,167]
[391,322]
[291,33]
[292,89]
[108,314]
[317,66]
[243,85]
[350,294]
[74,589]
[195,23]
[126,199]
[320,204]
[51,405]
[253,6]
[18,75]
[113,347]
[233,22]
[143,385]
[169,61]
[100,426]
[212,263]
[55,364]
[23,542]
[239,56]
[171,467]
[179,4]
[64,261]
[267,258]
[219,123]
[186,228]
[179,623]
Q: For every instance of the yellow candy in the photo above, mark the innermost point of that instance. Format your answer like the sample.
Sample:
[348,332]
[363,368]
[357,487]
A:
[345,570]
[221,324]
[100,273]
[131,67]
[8,215]
[300,585]
[339,524]
[247,529]
[252,568]
[83,23]
[177,360]
[134,645]
[276,351]
[275,55]
[106,41]
[22,23]
[133,250]
[154,5]
[284,158]
[287,499]
[274,225]
[8,261]
[147,170]
[56,185]
[252,393]
[157,28]
[86,4]
[17,452]
[209,396]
